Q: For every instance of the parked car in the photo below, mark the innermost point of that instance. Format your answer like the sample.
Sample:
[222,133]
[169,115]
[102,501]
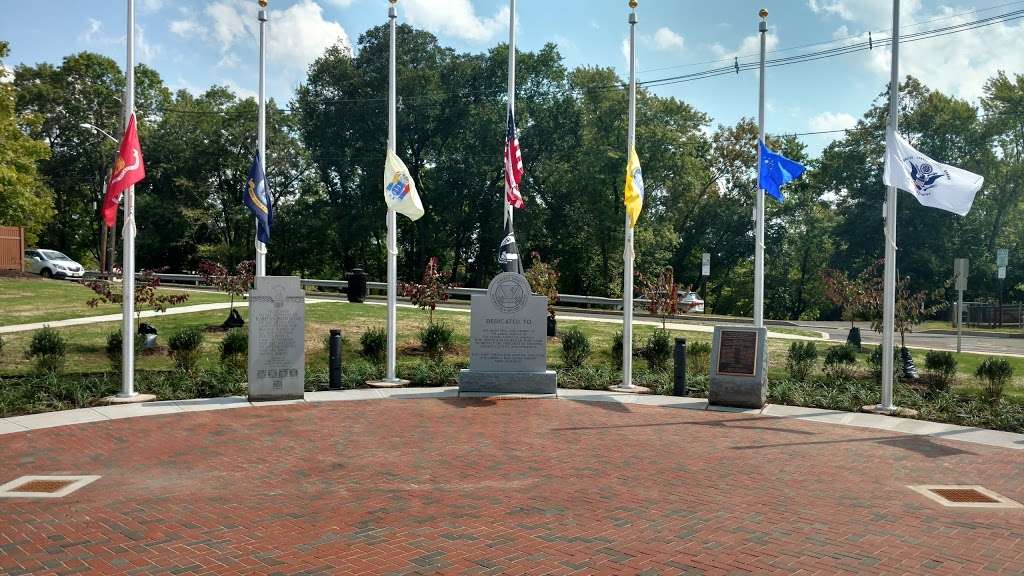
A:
[52,264]
[691,302]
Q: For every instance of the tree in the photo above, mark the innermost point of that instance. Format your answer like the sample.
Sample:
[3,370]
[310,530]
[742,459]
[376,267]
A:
[85,88]
[25,200]
[432,291]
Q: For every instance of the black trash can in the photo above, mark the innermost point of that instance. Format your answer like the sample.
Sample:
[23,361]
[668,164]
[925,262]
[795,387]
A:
[356,285]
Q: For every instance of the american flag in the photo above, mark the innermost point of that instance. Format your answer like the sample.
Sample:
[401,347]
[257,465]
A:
[513,164]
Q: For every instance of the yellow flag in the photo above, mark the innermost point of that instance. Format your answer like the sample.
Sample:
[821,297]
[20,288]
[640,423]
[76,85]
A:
[634,195]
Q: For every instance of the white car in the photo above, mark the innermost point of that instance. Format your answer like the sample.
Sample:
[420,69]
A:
[52,264]
[691,302]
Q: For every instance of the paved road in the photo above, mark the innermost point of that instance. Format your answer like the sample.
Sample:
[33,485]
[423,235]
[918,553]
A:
[981,344]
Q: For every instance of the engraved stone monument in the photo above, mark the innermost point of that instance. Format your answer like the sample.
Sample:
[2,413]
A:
[739,367]
[508,340]
[277,320]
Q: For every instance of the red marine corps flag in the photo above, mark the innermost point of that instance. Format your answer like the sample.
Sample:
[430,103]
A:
[128,170]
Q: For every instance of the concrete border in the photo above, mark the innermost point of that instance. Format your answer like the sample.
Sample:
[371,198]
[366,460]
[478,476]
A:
[906,426]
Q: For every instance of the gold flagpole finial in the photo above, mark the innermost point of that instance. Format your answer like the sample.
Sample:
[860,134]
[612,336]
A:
[633,4]
[263,3]
[763,13]
[393,2]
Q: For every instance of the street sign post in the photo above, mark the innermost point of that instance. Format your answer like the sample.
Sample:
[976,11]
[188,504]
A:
[1002,259]
[705,264]
[961,267]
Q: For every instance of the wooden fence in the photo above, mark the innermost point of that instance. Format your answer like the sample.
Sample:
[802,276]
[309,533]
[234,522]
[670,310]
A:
[12,248]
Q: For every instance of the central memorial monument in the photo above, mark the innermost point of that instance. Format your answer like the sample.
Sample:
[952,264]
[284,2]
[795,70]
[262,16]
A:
[277,320]
[508,340]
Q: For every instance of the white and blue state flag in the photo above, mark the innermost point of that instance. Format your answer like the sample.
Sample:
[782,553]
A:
[933,183]
[400,189]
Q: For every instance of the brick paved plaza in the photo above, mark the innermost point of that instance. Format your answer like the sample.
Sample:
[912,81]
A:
[501,487]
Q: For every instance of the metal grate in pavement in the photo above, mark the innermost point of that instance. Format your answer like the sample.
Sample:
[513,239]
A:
[44,486]
[954,496]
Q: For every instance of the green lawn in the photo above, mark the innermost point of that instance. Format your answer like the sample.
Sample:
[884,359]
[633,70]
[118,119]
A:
[940,325]
[30,300]
[86,343]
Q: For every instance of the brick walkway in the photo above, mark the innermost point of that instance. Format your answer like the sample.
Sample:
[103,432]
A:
[501,487]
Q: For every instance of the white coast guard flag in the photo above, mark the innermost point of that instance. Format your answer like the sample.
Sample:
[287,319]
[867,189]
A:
[933,183]
[399,188]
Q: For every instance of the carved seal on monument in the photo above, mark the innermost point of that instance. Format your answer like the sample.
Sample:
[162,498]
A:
[509,292]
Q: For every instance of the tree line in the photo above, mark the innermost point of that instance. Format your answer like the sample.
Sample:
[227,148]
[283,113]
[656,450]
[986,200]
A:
[326,153]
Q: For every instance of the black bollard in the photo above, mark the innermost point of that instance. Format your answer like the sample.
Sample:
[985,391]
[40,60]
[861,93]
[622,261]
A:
[335,360]
[679,383]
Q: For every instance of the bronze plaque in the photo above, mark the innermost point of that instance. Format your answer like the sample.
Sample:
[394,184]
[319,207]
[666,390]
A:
[737,353]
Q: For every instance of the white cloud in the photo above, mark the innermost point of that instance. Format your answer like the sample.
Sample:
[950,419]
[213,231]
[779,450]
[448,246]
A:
[242,93]
[457,18]
[625,50]
[297,35]
[956,64]
[186,27]
[300,34]
[875,14]
[340,3]
[666,39]
[831,121]
[153,5]
[91,31]
[750,46]
[144,51]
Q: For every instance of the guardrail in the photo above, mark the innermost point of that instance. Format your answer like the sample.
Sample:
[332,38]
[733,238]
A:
[460,293]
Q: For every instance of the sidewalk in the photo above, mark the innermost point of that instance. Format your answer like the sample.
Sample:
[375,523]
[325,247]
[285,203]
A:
[243,304]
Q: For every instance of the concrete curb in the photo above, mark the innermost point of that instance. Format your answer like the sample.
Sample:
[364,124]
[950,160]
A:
[906,426]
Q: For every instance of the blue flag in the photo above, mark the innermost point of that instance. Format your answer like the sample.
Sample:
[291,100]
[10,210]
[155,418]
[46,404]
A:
[257,197]
[776,171]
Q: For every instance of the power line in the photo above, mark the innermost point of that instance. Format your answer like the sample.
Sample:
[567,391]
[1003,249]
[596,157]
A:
[435,101]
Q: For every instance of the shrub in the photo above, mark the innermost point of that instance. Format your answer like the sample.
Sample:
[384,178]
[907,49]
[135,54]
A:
[48,350]
[698,358]
[184,348]
[876,363]
[801,359]
[374,344]
[839,361]
[997,373]
[423,373]
[234,348]
[941,366]
[616,350]
[113,349]
[435,339]
[658,350]
[357,371]
[575,347]
[586,377]
[657,381]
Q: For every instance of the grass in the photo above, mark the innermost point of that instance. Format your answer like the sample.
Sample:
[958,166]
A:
[948,326]
[86,343]
[31,300]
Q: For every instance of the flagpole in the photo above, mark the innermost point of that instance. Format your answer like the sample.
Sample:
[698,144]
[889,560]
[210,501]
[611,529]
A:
[507,218]
[627,263]
[762,28]
[392,219]
[889,292]
[128,233]
[261,129]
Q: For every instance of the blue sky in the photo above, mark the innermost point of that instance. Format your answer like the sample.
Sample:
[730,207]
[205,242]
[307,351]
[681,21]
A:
[197,43]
